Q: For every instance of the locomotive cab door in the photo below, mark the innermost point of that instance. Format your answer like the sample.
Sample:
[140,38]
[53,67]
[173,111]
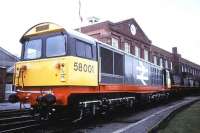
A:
[167,80]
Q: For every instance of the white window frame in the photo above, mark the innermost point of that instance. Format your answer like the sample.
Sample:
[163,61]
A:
[115,42]
[137,51]
[161,62]
[182,68]
[166,64]
[155,59]
[127,47]
[146,55]
[171,66]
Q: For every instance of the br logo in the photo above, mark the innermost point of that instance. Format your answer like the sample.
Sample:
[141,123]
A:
[142,73]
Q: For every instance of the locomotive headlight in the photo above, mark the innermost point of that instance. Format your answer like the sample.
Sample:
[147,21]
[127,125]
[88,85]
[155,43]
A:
[58,66]
[23,68]
[17,72]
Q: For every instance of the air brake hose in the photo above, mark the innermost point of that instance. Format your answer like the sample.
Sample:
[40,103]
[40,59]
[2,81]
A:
[18,76]
[22,80]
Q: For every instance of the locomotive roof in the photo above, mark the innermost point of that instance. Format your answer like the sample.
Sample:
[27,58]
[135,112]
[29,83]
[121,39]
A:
[82,36]
[42,28]
[47,27]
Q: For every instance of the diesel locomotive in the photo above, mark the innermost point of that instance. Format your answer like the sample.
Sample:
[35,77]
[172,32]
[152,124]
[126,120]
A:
[65,70]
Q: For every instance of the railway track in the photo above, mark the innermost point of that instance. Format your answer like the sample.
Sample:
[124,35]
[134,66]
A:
[14,112]
[16,121]
[21,121]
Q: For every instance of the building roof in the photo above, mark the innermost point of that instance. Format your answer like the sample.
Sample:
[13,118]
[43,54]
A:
[7,59]
[161,51]
[122,28]
[185,61]
[8,53]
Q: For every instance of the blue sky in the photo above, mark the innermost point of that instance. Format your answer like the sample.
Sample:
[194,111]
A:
[167,23]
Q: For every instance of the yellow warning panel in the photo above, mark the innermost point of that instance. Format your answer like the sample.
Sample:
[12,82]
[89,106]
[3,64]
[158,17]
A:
[59,71]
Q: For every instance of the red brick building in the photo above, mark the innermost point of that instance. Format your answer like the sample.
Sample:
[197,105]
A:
[161,57]
[127,35]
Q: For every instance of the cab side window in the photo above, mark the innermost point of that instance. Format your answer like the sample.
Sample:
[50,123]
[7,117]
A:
[83,49]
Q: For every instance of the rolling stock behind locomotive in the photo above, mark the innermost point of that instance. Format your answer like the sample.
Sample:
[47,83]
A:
[66,70]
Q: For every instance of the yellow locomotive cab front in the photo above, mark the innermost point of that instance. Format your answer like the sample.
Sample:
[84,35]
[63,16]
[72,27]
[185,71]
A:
[46,61]
[53,62]
[60,71]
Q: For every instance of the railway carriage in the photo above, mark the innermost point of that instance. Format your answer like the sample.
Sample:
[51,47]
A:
[66,69]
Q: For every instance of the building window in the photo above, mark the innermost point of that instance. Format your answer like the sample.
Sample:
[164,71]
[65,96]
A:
[155,59]
[137,51]
[115,43]
[146,55]
[166,64]
[182,68]
[161,62]
[127,47]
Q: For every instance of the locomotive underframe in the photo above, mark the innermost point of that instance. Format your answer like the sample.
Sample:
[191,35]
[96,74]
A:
[82,105]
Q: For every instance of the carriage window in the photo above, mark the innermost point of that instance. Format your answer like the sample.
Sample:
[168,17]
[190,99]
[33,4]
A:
[106,61]
[33,49]
[55,46]
[83,49]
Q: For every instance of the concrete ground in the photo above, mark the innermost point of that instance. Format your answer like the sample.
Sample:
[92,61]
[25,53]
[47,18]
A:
[9,106]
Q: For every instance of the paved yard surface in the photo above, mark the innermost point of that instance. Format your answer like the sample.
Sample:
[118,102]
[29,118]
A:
[7,106]
[141,122]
